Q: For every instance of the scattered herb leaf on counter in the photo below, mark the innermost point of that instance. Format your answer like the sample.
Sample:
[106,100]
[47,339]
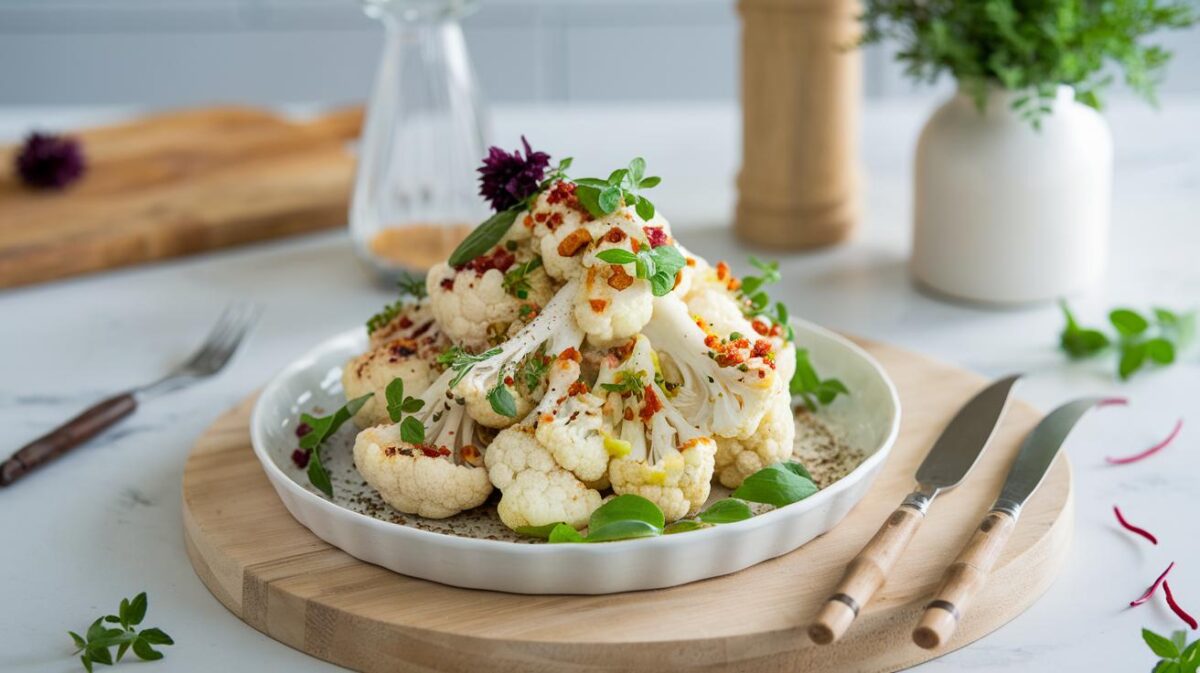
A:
[95,646]
[1175,655]
[1139,340]
[629,516]
[810,387]
[320,429]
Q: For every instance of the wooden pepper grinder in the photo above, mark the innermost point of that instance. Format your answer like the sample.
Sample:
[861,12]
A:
[801,83]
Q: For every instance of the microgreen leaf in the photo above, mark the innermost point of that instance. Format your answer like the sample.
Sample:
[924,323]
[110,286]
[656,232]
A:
[1160,351]
[775,485]
[484,237]
[637,170]
[534,369]
[727,510]
[650,182]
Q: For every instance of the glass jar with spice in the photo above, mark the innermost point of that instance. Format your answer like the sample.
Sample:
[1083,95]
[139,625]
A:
[415,191]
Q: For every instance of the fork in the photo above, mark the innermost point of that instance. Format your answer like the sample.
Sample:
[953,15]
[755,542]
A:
[220,345]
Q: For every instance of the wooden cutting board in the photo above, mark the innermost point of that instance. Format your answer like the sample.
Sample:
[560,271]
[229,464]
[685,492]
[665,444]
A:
[281,579]
[176,184]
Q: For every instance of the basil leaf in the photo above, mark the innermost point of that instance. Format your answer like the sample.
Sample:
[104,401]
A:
[412,431]
[684,526]
[622,530]
[502,401]
[1160,645]
[797,468]
[775,485]
[627,507]
[1127,322]
[538,531]
[484,237]
[728,510]
[317,476]
[662,283]
[616,256]
[564,533]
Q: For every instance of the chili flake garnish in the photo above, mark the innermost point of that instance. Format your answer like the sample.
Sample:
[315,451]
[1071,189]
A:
[1132,528]
[656,236]
[651,406]
[1176,608]
[1150,451]
[574,242]
[1153,588]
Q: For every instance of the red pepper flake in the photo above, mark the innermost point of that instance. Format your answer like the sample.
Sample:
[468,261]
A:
[429,451]
[471,456]
[712,341]
[541,217]
[303,429]
[656,236]
[651,404]
[564,193]
[300,458]
[1153,588]
[761,327]
[447,284]
[1150,451]
[571,353]
[577,388]
[635,245]
[690,261]
[499,259]
[528,221]
[1132,528]
[508,381]
[619,280]
[762,348]
[1113,402]
[598,305]
[1176,608]
[556,220]
[614,235]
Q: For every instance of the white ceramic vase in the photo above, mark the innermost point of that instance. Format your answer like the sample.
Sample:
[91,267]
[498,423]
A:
[1008,214]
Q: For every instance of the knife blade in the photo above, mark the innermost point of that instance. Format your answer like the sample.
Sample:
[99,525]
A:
[952,456]
[970,570]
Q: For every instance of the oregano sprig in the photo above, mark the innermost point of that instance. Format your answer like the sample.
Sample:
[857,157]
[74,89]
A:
[96,647]
[1175,654]
[399,404]
[1139,340]
[410,286]
[658,265]
[321,428]
[627,381]
[622,187]
[757,303]
[462,361]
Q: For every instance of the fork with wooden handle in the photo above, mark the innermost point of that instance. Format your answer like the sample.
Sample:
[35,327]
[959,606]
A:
[209,359]
[967,575]
[951,458]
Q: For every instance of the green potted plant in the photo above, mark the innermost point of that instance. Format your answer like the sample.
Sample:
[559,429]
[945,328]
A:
[1013,174]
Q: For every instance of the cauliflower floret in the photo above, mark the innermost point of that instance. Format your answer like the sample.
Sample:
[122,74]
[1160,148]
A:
[485,378]
[613,305]
[666,459]
[771,443]
[536,463]
[715,382]
[404,347]
[559,229]
[436,479]
[475,305]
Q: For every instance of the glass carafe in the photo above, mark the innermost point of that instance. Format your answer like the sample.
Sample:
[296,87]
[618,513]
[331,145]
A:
[415,193]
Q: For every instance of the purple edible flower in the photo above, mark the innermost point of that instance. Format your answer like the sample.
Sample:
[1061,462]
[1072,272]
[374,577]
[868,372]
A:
[47,161]
[508,179]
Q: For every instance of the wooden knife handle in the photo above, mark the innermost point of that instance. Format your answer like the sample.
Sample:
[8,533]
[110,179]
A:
[67,436]
[865,575]
[963,578]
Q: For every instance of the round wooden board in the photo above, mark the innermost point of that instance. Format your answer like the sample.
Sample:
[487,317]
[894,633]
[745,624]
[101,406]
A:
[281,579]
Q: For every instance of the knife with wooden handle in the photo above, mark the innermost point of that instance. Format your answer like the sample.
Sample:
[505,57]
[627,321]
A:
[969,571]
[951,458]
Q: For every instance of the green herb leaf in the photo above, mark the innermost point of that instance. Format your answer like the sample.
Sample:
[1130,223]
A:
[775,485]
[80,643]
[684,526]
[810,387]
[317,475]
[145,652]
[1160,645]
[412,431]
[395,399]
[462,362]
[627,507]
[96,647]
[136,611]
[564,533]
[644,208]
[649,182]
[1127,322]
[590,182]
[627,529]
[637,170]
[516,280]
[412,285]
[1133,356]
[667,261]
[617,256]
[627,381]
[502,401]
[1077,341]
[542,532]
[484,237]
[1160,351]
[728,510]
[324,426]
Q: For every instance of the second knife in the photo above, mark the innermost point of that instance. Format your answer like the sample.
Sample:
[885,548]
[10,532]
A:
[948,462]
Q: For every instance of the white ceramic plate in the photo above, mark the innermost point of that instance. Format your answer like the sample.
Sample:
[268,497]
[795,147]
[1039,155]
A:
[474,550]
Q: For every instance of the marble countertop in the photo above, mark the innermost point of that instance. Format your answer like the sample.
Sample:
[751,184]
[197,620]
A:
[104,522]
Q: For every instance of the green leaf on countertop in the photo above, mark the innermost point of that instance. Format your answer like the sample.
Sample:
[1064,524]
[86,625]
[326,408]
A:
[1160,645]
[96,647]
[1127,322]
[775,485]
